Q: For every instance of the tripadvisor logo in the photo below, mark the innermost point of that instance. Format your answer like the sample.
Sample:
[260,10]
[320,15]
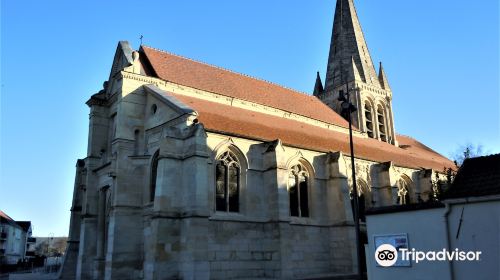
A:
[387,255]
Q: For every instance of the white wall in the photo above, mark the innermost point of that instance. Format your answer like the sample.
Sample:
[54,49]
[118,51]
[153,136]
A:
[14,245]
[426,229]
[480,231]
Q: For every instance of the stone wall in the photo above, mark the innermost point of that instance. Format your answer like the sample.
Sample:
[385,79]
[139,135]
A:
[275,250]
[243,249]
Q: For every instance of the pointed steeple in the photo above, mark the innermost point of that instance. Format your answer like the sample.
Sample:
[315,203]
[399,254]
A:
[382,78]
[348,41]
[349,63]
[318,87]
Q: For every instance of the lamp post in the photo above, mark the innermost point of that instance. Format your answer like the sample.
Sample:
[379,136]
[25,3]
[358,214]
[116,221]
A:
[347,109]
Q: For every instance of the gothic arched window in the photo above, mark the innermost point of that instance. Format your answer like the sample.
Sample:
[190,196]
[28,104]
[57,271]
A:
[369,119]
[403,192]
[381,123]
[154,173]
[298,189]
[227,183]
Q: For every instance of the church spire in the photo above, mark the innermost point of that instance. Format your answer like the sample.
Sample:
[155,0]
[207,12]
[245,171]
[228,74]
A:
[318,87]
[349,63]
[348,41]
[382,78]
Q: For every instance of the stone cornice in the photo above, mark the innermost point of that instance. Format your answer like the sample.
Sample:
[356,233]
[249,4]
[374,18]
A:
[97,99]
[141,78]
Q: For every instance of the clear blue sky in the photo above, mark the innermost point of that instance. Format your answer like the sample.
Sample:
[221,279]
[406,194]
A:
[441,57]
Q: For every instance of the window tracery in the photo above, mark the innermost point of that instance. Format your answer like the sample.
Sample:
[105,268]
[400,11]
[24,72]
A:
[227,183]
[298,189]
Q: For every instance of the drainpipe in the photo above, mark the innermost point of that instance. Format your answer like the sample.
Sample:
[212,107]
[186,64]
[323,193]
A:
[465,201]
[448,243]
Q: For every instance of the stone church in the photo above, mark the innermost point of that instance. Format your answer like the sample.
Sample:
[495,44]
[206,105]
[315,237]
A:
[198,172]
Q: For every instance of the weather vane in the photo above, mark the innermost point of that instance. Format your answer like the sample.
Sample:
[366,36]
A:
[141,38]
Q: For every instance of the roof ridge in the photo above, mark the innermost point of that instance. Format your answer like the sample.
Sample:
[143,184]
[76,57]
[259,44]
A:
[229,70]
[3,214]
[412,138]
[238,86]
[416,140]
[399,134]
[483,156]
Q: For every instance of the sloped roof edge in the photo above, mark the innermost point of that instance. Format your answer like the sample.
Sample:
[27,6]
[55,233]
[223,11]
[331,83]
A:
[170,101]
[199,75]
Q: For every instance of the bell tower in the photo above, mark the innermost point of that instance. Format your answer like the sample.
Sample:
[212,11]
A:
[350,67]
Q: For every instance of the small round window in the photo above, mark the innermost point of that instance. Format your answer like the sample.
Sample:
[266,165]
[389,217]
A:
[154,108]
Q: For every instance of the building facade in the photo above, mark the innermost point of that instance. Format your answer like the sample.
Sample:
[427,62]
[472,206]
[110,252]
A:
[197,172]
[16,243]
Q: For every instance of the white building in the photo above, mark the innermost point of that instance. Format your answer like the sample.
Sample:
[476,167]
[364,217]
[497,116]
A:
[15,240]
[468,219]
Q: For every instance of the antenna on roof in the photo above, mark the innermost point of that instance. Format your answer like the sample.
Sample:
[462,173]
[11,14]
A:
[140,38]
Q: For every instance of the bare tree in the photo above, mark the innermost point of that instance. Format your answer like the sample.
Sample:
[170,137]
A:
[59,245]
[51,246]
[466,151]
[41,248]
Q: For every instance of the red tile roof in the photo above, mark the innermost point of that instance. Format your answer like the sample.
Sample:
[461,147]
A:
[250,124]
[6,219]
[187,72]
[235,121]
[5,216]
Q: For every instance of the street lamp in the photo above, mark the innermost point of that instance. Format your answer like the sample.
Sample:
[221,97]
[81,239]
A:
[49,240]
[347,109]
